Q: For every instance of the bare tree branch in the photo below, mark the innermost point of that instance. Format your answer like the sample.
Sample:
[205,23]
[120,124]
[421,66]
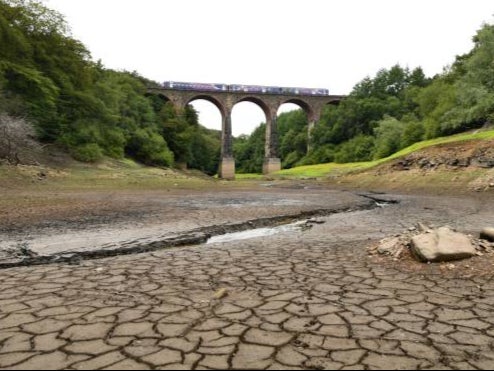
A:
[18,143]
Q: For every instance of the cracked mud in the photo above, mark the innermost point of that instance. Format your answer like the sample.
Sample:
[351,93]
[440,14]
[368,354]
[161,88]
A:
[307,299]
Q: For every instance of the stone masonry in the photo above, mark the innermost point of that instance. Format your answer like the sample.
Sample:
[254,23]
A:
[269,103]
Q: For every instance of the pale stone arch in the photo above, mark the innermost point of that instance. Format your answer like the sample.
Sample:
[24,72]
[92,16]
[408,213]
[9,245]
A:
[303,104]
[219,104]
[258,102]
[225,99]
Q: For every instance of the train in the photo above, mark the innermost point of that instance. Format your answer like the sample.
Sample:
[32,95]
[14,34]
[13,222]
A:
[257,89]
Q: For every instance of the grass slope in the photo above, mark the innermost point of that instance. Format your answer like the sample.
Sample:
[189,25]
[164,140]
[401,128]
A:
[334,169]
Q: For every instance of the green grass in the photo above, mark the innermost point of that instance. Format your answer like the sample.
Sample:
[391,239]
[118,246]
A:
[481,135]
[334,169]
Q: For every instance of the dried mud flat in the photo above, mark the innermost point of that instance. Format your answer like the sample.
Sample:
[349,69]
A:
[303,299]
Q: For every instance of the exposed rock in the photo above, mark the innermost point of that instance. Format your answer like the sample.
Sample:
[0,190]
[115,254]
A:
[442,244]
[443,239]
[388,246]
[450,156]
[423,228]
[392,246]
[484,162]
[487,234]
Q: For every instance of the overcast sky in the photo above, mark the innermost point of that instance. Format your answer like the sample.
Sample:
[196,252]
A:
[308,43]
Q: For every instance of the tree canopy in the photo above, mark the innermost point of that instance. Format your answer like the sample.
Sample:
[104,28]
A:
[76,103]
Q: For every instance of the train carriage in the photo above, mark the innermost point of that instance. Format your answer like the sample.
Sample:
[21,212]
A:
[194,86]
[256,89]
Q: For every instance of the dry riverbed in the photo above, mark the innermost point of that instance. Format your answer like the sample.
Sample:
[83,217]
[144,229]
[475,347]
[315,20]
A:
[304,298]
[69,226]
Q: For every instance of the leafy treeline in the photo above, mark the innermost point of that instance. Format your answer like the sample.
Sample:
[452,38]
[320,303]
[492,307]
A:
[50,78]
[396,108]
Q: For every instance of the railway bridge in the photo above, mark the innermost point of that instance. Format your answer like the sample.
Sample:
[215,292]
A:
[269,99]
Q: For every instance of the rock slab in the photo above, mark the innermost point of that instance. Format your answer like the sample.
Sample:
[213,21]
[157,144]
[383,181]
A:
[442,244]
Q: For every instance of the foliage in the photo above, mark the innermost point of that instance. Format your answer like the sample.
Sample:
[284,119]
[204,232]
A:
[249,151]
[334,169]
[205,149]
[388,136]
[193,145]
[413,132]
[359,148]
[49,77]
[293,132]
[89,152]
[149,147]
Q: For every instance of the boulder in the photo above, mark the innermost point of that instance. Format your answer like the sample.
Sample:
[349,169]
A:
[487,234]
[442,244]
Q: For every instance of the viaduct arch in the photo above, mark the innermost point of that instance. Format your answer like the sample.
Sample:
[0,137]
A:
[268,102]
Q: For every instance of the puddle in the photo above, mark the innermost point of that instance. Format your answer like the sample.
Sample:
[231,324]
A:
[261,232]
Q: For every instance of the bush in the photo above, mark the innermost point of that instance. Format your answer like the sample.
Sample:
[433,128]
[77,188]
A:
[388,137]
[290,160]
[114,143]
[150,148]
[90,152]
[359,148]
[319,155]
[414,132]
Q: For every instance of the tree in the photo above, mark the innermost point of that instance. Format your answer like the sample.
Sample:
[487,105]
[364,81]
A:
[413,132]
[359,148]
[17,140]
[388,137]
[150,148]
[434,101]
[474,105]
[249,151]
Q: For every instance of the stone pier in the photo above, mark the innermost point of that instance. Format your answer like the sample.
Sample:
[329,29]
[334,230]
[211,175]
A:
[269,103]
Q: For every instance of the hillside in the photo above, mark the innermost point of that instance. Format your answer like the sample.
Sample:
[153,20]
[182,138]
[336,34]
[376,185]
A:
[460,163]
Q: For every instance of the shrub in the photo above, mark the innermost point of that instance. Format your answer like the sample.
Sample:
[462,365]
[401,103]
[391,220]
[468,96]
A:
[89,152]
[388,137]
[359,148]
[150,148]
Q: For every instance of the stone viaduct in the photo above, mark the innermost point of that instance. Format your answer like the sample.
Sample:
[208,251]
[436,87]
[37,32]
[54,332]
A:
[269,103]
